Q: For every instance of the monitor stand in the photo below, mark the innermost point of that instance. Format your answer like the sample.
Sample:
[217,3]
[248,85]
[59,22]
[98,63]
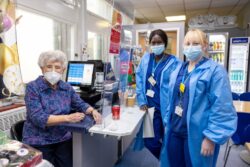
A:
[88,89]
[90,96]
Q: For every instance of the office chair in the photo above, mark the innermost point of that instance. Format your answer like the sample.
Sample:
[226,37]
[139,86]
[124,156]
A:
[245,96]
[235,96]
[242,134]
[16,130]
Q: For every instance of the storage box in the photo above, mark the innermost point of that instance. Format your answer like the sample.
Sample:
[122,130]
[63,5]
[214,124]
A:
[130,102]
[15,153]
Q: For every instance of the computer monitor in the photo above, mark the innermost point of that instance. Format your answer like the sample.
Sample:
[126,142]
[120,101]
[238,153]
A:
[108,72]
[99,66]
[81,73]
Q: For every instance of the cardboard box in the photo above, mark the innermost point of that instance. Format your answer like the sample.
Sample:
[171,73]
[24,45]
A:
[131,101]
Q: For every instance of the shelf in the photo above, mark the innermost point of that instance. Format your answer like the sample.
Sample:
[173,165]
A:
[237,80]
[238,69]
[216,51]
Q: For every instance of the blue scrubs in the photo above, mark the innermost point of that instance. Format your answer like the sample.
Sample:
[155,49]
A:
[178,140]
[210,112]
[155,144]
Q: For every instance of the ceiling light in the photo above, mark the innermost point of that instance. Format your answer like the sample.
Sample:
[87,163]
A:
[176,18]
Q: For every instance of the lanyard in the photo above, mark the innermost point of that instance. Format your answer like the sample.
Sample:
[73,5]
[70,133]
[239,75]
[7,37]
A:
[189,75]
[182,86]
[155,67]
[184,79]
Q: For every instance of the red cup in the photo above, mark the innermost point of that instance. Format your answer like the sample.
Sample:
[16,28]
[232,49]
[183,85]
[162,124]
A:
[116,112]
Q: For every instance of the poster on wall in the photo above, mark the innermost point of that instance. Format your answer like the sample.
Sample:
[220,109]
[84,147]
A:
[115,35]
[10,73]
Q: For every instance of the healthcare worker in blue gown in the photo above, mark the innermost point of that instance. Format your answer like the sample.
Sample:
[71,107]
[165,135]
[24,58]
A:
[148,76]
[197,108]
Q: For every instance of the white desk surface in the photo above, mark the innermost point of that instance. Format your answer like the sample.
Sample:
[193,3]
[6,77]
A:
[44,163]
[130,118]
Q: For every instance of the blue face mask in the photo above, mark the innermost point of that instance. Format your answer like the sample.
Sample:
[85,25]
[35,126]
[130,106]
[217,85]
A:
[158,49]
[192,52]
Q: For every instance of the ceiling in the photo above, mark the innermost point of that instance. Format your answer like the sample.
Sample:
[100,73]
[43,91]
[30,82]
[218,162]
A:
[155,11]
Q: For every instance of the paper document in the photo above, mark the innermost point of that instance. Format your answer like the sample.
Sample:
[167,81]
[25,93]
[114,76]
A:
[148,127]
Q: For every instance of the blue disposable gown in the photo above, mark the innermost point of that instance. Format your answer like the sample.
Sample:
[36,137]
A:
[141,73]
[210,111]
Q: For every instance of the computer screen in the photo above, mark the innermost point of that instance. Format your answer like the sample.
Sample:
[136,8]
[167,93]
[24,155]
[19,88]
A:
[80,73]
[108,72]
[99,66]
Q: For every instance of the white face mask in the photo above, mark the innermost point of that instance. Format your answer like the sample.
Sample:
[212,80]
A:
[52,77]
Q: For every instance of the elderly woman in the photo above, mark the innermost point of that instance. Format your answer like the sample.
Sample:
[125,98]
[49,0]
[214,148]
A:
[49,101]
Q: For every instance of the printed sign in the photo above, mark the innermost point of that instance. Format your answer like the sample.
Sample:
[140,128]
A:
[115,36]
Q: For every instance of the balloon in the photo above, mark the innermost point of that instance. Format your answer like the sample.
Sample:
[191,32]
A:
[5,22]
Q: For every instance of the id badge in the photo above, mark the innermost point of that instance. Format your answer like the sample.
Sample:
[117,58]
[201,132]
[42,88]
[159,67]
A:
[182,87]
[178,111]
[152,81]
[150,93]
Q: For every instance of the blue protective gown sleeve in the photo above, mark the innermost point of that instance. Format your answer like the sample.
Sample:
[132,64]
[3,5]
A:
[222,120]
[141,88]
[210,113]
[140,80]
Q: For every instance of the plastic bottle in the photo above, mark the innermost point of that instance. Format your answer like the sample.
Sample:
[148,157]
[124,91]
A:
[210,45]
[220,45]
[237,76]
[214,46]
[222,56]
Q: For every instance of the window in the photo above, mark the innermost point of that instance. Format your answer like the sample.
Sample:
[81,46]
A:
[35,34]
[97,46]
[100,8]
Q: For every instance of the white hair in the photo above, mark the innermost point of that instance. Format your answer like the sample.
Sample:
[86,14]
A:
[53,55]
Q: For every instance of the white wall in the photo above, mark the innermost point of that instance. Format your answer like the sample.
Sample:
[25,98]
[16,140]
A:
[101,27]
[97,24]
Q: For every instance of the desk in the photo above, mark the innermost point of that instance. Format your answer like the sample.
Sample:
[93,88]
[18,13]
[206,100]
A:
[13,106]
[103,146]
[242,106]
[9,117]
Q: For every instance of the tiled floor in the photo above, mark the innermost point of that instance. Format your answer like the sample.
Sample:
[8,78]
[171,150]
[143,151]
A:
[145,159]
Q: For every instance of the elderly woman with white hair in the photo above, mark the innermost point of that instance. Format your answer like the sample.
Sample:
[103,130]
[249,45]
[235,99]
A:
[49,101]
